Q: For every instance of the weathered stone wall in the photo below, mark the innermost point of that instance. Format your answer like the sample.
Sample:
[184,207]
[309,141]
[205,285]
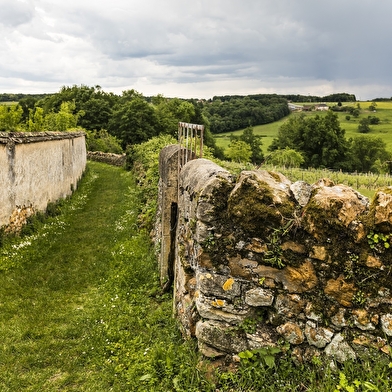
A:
[37,168]
[105,157]
[260,260]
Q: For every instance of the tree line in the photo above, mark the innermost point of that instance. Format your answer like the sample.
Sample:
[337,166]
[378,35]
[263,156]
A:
[111,121]
[229,113]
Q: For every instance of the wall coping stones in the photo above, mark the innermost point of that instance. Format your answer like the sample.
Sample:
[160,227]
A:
[34,137]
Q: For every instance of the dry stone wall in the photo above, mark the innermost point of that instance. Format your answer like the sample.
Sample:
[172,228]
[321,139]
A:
[260,260]
[107,157]
[35,169]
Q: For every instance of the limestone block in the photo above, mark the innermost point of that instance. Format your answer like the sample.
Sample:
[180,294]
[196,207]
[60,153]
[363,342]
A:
[340,290]
[290,305]
[311,314]
[373,262]
[219,335]
[220,309]
[242,268]
[301,192]
[319,253]
[342,203]
[213,284]
[340,349]
[205,211]
[317,336]
[257,198]
[300,279]
[386,324]
[362,319]
[257,246]
[291,332]
[259,297]
[382,206]
[203,232]
[294,247]
[294,279]
[339,319]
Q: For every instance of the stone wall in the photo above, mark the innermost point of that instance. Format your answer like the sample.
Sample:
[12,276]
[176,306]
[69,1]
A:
[35,169]
[259,260]
[106,157]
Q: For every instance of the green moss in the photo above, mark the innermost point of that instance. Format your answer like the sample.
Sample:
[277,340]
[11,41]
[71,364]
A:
[253,208]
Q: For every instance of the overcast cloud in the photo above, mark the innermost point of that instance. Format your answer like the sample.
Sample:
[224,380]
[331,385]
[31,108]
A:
[198,49]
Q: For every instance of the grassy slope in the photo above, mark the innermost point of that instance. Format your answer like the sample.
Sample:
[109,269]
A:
[384,129]
[48,297]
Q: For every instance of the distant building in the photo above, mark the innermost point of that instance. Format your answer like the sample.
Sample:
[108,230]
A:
[321,107]
[294,108]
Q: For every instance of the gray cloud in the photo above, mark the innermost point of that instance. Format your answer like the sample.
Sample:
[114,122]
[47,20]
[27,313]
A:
[14,13]
[209,47]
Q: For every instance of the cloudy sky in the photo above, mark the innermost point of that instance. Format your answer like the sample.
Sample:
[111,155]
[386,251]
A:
[198,48]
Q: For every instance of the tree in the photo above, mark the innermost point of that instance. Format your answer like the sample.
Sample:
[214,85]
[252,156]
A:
[95,103]
[102,141]
[319,139]
[64,119]
[254,141]
[133,120]
[10,118]
[363,126]
[286,157]
[239,151]
[36,121]
[170,111]
[365,150]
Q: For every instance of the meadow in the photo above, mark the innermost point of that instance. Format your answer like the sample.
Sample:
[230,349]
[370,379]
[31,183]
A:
[383,129]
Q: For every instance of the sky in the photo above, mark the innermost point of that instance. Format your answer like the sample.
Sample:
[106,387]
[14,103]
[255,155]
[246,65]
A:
[199,48]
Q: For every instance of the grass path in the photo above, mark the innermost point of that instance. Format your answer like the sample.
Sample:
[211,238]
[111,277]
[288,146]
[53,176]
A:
[53,283]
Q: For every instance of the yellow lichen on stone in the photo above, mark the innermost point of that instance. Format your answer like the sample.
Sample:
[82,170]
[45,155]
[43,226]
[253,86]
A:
[218,303]
[228,284]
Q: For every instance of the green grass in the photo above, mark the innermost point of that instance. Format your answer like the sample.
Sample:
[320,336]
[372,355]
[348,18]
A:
[79,303]
[270,131]
[81,310]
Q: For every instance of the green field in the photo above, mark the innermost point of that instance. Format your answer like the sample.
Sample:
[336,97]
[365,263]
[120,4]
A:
[383,129]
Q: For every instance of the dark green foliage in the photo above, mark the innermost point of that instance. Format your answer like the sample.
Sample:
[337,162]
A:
[373,120]
[363,126]
[102,141]
[95,103]
[255,143]
[133,120]
[338,97]
[365,151]
[319,139]
[230,113]
[6,97]
[27,104]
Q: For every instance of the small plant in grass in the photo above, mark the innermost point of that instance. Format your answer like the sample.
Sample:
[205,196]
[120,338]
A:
[264,356]
[356,385]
